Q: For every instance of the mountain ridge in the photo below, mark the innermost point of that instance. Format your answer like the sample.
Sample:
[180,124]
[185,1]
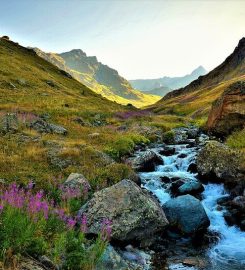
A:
[166,81]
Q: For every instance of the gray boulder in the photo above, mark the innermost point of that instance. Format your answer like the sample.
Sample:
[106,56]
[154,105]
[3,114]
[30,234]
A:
[9,123]
[42,126]
[135,215]
[145,161]
[187,214]
[77,181]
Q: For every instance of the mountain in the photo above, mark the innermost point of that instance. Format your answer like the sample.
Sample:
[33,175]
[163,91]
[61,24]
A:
[98,77]
[160,91]
[170,82]
[196,98]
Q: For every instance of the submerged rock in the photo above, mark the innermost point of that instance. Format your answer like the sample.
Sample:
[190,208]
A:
[135,215]
[145,161]
[187,214]
[192,187]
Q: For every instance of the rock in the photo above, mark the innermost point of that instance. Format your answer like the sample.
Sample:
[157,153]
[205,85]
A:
[167,151]
[165,179]
[12,85]
[113,260]
[135,215]
[228,111]
[192,133]
[182,155]
[145,161]
[82,122]
[42,126]
[174,187]
[217,162]
[196,262]
[51,83]
[29,264]
[180,135]
[191,187]
[77,181]
[94,135]
[187,214]
[21,81]
[9,123]
[45,261]
[192,168]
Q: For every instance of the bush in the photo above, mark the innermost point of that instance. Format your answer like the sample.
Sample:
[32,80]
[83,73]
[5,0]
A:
[120,148]
[31,224]
[168,137]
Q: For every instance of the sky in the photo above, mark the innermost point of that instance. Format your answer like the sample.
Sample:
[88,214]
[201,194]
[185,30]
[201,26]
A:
[140,39]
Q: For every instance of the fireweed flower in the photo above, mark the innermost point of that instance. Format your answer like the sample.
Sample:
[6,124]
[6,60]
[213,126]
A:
[106,229]
[71,223]
[84,222]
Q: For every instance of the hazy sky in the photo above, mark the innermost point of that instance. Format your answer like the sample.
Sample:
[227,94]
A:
[141,39]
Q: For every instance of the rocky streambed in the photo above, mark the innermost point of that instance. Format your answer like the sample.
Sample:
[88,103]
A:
[176,219]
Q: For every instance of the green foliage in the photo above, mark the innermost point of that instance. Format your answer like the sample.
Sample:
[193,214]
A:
[112,174]
[168,137]
[19,233]
[120,148]
[237,139]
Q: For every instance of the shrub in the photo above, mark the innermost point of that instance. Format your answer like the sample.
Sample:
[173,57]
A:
[32,224]
[168,137]
[120,147]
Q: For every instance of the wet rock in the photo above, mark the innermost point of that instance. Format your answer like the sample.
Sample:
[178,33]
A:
[174,187]
[9,123]
[165,179]
[114,260]
[192,133]
[187,214]
[217,162]
[145,161]
[191,187]
[43,126]
[167,151]
[135,215]
[77,181]
[196,262]
[192,168]
[182,155]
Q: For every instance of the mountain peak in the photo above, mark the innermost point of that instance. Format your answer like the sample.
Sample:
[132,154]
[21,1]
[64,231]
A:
[199,70]
[77,52]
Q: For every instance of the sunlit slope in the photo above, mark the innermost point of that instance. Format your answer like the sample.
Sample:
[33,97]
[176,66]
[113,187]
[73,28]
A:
[29,83]
[98,77]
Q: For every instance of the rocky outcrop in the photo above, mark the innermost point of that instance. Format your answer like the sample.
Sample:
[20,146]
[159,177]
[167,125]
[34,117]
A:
[217,162]
[9,123]
[145,161]
[42,126]
[135,215]
[186,214]
[228,111]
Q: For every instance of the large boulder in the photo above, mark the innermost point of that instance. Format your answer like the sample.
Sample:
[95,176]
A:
[217,162]
[193,187]
[135,215]
[228,111]
[42,126]
[145,161]
[187,214]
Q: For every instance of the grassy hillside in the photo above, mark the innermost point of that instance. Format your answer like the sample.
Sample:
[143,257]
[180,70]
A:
[31,87]
[100,78]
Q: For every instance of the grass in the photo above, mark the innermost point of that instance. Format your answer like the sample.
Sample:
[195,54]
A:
[237,140]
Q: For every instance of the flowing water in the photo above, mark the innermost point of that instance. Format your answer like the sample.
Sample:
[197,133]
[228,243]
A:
[229,252]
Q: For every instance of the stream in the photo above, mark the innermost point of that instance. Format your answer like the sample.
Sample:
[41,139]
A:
[229,252]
